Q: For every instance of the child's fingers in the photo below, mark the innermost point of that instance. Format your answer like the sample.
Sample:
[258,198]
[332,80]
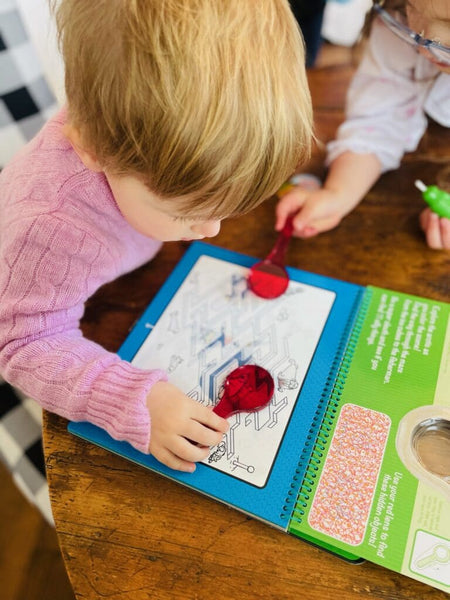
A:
[207,417]
[316,217]
[308,232]
[290,203]
[445,233]
[187,450]
[180,454]
[306,223]
[171,460]
[438,232]
[203,435]
[433,231]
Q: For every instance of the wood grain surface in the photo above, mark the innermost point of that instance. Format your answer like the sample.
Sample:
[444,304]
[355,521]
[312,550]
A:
[127,533]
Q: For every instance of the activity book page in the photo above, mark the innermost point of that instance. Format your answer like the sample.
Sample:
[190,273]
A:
[212,325]
[381,488]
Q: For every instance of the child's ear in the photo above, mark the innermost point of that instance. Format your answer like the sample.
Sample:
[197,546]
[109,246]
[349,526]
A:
[87,157]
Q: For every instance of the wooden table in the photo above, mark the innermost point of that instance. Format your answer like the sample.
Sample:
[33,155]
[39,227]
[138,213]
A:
[126,533]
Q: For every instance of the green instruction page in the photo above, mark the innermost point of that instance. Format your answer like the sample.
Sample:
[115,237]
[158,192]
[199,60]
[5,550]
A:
[378,484]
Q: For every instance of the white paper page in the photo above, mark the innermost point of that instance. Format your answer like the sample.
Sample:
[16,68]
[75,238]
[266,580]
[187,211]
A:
[214,324]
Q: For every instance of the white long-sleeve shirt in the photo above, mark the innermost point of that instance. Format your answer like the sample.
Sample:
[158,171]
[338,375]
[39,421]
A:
[389,97]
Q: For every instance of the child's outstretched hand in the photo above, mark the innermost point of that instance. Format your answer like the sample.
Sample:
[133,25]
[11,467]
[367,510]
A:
[437,230]
[316,211]
[182,429]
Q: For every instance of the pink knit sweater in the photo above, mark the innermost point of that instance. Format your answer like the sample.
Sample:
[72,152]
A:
[62,236]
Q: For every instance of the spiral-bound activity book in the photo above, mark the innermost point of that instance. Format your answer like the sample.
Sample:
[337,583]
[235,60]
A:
[351,452]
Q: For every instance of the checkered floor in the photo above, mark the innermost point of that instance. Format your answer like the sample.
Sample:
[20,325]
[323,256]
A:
[26,101]
[21,446]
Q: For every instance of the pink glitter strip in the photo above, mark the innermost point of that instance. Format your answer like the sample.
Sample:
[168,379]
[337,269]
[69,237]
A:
[345,491]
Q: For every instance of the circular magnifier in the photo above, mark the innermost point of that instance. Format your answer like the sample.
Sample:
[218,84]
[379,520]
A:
[431,445]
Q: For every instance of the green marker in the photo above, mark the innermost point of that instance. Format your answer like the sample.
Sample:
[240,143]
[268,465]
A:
[437,199]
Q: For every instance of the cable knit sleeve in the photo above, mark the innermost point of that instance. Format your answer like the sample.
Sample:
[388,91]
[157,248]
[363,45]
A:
[50,267]
[385,101]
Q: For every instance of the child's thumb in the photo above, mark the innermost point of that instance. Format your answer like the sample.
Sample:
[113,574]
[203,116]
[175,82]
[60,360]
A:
[289,204]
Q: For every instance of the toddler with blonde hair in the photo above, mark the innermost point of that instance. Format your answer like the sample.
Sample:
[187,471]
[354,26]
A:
[180,113]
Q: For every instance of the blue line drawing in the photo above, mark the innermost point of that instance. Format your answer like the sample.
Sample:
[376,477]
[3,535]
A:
[214,324]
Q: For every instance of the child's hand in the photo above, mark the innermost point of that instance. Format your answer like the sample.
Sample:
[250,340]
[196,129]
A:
[182,430]
[437,230]
[317,211]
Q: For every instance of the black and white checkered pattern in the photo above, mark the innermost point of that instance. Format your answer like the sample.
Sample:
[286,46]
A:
[26,101]
[21,446]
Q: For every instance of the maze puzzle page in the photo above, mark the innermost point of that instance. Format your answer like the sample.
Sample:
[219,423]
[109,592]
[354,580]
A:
[214,324]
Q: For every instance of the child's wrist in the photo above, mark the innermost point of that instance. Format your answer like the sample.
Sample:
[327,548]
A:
[345,199]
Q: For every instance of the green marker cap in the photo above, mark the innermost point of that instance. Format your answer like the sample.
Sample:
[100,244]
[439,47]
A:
[438,200]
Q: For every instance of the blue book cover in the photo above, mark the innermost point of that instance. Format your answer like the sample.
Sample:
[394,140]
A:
[205,322]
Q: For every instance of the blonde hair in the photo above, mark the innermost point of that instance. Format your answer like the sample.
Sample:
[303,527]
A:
[203,100]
